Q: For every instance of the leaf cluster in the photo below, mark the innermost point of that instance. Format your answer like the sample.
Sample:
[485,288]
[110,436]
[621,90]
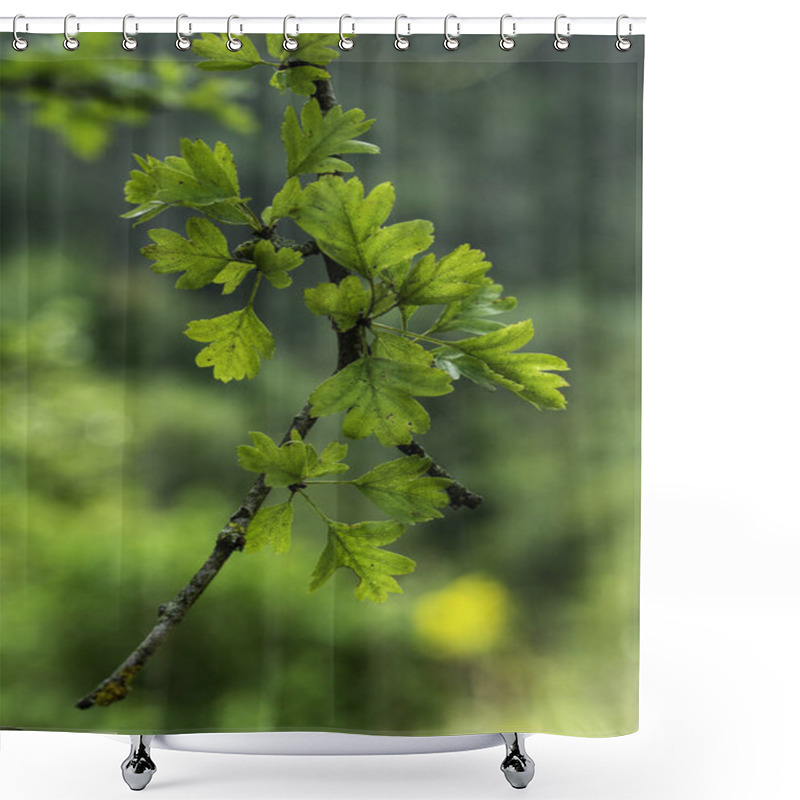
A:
[392,273]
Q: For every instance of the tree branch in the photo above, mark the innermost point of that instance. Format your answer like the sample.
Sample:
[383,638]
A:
[458,493]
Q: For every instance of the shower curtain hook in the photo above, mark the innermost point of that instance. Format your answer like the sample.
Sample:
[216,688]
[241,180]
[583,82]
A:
[289,43]
[233,44]
[70,42]
[19,43]
[560,42]
[507,42]
[181,42]
[128,42]
[344,43]
[622,44]
[400,42]
[451,42]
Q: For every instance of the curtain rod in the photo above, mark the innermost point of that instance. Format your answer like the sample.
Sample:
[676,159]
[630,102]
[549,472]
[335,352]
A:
[407,26]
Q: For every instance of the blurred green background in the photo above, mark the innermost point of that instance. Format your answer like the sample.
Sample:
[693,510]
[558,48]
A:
[118,453]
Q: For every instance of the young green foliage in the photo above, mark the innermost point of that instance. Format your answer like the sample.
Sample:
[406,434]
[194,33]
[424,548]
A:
[238,342]
[201,256]
[271,525]
[214,48]
[402,489]
[312,48]
[378,395]
[452,277]
[358,547]
[491,358]
[284,203]
[317,146]
[203,179]
[345,303]
[293,462]
[347,225]
[469,314]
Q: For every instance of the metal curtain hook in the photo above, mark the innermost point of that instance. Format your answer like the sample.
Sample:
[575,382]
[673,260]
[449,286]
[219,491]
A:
[344,43]
[400,42]
[181,42]
[289,43]
[128,42]
[19,43]
[622,44]
[560,42]
[506,41]
[451,42]
[70,42]
[233,43]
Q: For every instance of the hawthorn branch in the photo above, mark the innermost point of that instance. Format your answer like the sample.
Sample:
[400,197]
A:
[459,494]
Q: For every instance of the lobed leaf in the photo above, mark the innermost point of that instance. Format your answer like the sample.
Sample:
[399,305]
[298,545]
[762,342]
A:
[238,342]
[292,462]
[276,264]
[284,203]
[402,489]
[528,375]
[201,256]
[347,226]
[345,303]
[214,48]
[298,79]
[271,525]
[469,314]
[202,178]
[357,547]
[378,395]
[316,146]
[313,48]
[452,277]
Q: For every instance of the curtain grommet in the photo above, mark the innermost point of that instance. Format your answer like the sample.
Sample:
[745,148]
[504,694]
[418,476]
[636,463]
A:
[18,43]
[128,42]
[401,42]
[507,41]
[622,44]
[70,42]
[451,42]
[289,43]
[233,44]
[344,42]
[561,43]
[181,41]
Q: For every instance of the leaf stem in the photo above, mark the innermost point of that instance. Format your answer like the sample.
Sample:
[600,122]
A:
[412,335]
[313,505]
[256,284]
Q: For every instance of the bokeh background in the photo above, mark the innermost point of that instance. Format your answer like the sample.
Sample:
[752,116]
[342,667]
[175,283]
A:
[118,453]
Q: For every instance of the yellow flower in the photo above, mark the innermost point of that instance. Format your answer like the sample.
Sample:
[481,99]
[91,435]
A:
[467,617]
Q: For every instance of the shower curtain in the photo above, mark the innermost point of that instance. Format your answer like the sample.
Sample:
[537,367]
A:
[320,386]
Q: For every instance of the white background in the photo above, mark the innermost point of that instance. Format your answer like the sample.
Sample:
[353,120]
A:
[720,545]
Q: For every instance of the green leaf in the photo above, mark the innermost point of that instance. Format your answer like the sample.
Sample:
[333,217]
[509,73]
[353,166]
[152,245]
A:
[323,138]
[201,256]
[469,314]
[403,490]
[398,348]
[276,264]
[313,48]
[233,274]
[214,48]
[291,463]
[347,226]
[456,275]
[298,79]
[203,179]
[379,395]
[357,547]
[528,375]
[284,203]
[341,220]
[271,525]
[344,303]
[239,341]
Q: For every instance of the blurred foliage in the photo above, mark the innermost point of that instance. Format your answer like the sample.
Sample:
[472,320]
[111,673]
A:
[83,99]
[119,455]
